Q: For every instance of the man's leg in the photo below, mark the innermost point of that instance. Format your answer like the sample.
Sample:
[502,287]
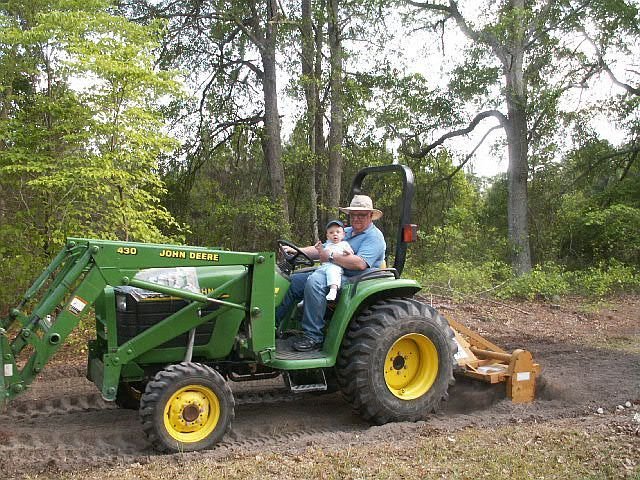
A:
[315,305]
[293,295]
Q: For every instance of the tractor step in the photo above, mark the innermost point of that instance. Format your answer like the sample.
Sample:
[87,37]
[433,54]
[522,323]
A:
[303,381]
[284,351]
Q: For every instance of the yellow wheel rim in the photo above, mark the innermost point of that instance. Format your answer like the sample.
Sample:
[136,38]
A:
[411,366]
[192,413]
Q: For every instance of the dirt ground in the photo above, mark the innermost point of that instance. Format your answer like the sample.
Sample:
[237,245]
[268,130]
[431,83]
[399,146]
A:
[589,353]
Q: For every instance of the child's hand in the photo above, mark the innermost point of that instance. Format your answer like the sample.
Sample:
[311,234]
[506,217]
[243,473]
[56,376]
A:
[319,246]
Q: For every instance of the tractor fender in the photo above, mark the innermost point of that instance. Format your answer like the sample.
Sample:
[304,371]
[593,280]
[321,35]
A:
[354,298]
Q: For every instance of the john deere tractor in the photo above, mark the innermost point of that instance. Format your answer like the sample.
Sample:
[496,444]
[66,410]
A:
[175,324]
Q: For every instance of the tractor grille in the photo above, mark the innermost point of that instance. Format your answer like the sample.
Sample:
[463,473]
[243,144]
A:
[134,316]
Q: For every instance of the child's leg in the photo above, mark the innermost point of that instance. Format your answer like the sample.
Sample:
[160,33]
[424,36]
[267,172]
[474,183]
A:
[334,278]
[333,293]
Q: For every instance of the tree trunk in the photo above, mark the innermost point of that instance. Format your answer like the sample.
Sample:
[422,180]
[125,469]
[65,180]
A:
[4,115]
[336,133]
[319,149]
[518,218]
[517,208]
[310,85]
[272,143]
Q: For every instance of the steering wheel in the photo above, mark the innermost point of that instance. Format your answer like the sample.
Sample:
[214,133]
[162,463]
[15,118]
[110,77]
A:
[293,260]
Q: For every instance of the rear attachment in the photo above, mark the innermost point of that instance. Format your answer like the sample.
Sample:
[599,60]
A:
[480,359]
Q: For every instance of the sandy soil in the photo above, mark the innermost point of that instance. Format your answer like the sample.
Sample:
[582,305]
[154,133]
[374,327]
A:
[590,355]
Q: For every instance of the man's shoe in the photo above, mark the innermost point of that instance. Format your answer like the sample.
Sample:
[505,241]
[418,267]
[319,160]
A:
[306,344]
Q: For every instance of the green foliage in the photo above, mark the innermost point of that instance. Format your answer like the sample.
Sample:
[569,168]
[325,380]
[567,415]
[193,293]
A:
[549,280]
[605,279]
[615,16]
[588,235]
[461,278]
[81,130]
[18,269]
[544,281]
[228,203]
[610,233]
[454,218]
[251,225]
[385,103]
[70,149]
[473,77]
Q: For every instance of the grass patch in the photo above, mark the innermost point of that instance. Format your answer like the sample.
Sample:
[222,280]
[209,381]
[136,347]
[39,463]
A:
[626,343]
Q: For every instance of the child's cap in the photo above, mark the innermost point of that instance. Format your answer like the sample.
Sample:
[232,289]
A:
[334,222]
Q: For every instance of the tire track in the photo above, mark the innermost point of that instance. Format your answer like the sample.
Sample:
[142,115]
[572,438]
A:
[55,406]
[94,401]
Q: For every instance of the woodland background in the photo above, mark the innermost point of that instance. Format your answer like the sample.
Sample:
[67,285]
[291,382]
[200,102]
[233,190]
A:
[234,123]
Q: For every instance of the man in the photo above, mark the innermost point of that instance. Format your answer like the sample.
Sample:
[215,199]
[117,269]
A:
[368,246]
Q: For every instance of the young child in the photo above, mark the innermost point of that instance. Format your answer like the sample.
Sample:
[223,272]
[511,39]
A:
[337,246]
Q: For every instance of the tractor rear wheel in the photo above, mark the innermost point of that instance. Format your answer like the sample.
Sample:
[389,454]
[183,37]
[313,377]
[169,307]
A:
[396,361]
[186,407]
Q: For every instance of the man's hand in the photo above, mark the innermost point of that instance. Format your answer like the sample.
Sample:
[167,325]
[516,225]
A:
[310,251]
[323,254]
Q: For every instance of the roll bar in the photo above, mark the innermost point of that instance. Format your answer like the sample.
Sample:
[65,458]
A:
[406,230]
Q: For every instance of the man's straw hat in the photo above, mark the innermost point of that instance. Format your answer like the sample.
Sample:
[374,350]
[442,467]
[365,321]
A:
[362,203]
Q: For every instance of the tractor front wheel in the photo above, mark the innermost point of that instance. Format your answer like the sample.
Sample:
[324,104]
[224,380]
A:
[186,407]
[396,361]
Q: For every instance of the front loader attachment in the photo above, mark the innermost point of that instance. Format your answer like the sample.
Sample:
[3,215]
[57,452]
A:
[19,331]
[7,367]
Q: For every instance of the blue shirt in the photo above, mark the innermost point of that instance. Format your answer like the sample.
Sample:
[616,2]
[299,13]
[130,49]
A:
[368,245]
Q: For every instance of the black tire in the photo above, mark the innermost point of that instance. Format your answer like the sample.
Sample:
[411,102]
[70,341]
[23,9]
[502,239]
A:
[396,361]
[186,407]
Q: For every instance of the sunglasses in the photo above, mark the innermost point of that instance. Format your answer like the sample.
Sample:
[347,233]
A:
[360,215]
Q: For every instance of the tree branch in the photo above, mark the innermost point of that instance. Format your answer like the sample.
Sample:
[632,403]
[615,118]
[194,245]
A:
[447,178]
[479,37]
[569,16]
[632,152]
[632,159]
[430,6]
[604,66]
[242,24]
[456,133]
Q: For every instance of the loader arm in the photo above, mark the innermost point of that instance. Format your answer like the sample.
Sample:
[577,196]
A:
[63,294]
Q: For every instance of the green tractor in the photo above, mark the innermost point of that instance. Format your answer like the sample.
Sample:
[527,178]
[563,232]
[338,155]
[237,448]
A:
[176,324]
